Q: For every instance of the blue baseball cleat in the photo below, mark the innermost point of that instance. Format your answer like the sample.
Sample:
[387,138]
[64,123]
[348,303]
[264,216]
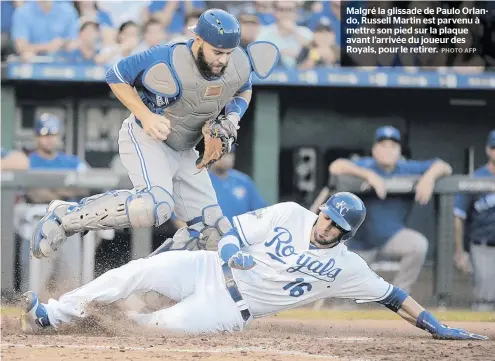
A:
[49,234]
[34,316]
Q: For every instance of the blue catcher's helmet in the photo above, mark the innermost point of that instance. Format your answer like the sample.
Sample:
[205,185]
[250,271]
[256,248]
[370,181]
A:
[47,124]
[218,28]
[347,211]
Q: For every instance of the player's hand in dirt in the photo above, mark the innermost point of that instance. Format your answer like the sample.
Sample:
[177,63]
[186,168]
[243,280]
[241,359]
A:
[447,333]
[156,126]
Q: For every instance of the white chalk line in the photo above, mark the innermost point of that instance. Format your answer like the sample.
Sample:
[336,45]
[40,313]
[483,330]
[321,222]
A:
[186,350]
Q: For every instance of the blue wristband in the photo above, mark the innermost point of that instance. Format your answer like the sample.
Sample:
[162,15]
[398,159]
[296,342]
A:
[426,321]
[237,105]
[228,248]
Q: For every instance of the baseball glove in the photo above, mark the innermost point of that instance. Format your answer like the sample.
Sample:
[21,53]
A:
[219,135]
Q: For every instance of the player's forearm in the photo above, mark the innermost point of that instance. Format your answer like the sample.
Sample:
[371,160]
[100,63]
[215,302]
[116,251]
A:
[165,16]
[105,56]
[346,167]
[405,306]
[228,245]
[23,46]
[438,169]
[127,96]
[41,195]
[237,106]
[459,234]
[411,311]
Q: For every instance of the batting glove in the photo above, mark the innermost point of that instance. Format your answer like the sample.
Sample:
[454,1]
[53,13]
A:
[447,333]
[242,261]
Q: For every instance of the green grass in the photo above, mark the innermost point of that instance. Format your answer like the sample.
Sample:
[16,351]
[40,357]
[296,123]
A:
[449,315]
[10,311]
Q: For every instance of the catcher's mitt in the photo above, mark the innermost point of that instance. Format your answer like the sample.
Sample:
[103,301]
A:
[219,135]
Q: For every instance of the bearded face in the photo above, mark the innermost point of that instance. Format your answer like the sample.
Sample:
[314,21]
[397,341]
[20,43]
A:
[212,62]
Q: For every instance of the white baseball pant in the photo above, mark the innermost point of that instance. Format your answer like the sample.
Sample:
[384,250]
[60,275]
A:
[193,279]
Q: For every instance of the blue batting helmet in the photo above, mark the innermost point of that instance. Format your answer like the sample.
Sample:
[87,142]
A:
[47,124]
[347,210]
[218,28]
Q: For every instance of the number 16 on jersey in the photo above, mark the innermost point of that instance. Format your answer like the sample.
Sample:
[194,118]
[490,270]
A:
[298,287]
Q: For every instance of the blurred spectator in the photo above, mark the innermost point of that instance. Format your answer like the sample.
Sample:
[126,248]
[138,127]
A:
[322,51]
[85,47]
[43,28]
[7,11]
[329,10]
[384,229]
[264,11]
[14,160]
[236,192]
[191,19]
[89,10]
[121,12]
[66,266]
[172,14]
[477,212]
[127,40]
[47,155]
[153,35]
[250,27]
[286,34]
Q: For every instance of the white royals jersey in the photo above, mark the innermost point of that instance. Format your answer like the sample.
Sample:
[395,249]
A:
[289,272]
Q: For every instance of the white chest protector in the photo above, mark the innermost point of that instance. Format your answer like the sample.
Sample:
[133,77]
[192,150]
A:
[201,99]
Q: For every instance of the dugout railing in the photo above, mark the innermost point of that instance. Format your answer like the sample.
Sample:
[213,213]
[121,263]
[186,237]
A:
[13,182]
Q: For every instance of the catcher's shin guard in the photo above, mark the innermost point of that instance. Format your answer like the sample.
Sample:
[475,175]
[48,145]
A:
[203,232]
[121,209]
[111,210]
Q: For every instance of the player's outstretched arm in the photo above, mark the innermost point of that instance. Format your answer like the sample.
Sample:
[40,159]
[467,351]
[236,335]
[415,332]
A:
[406,307]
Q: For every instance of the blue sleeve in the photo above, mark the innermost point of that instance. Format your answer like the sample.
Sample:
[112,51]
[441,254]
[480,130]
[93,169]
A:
[461,205]
[104,19]
[156,6]
[72,30]
[248,85]
[20,27]
[364,162]
[418,166]
[127,70]
[80,166]
[199,5]
[255,199]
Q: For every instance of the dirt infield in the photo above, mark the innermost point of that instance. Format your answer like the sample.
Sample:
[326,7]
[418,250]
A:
[273,339]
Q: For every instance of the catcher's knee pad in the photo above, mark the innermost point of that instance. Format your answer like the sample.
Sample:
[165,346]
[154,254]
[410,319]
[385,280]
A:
[150,207]
[210,227]
[202,233]
[101,211]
